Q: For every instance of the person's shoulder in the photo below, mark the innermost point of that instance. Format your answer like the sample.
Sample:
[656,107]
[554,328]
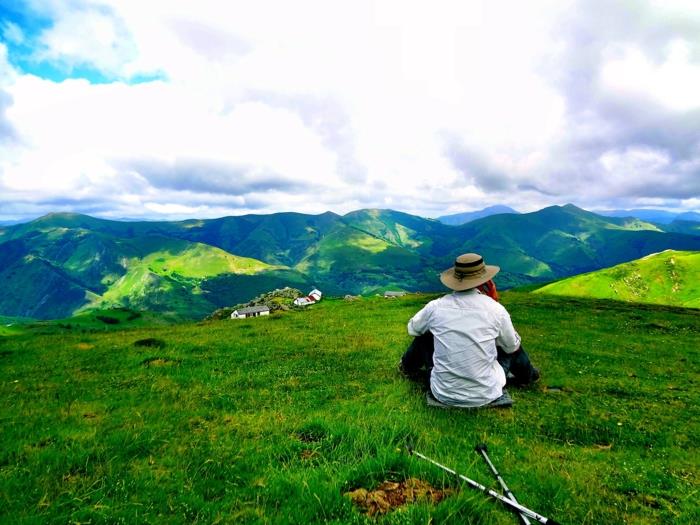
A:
[435,303]
[430,305]
[491,304]
[499,308]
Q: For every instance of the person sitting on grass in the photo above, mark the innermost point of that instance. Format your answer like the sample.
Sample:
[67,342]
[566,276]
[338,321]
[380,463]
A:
[465,347]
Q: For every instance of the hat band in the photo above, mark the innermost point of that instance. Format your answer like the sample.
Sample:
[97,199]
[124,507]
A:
[471,264]
[462,275]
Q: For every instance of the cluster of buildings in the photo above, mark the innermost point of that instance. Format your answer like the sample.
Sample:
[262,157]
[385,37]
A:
[313,297]
[257,311]
[250,311]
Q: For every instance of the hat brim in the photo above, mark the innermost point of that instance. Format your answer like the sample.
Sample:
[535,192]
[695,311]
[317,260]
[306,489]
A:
[453,283]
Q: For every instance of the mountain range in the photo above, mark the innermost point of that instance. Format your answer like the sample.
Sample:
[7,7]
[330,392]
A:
[652,215]
[63,263]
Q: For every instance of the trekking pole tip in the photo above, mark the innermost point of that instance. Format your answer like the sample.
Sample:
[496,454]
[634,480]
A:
[480,446]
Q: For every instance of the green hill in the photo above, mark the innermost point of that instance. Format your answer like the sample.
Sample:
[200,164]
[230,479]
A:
[55,267]
[273,420]
[280,238]
[351,260]
[682,226]
[401,229]
[670,277]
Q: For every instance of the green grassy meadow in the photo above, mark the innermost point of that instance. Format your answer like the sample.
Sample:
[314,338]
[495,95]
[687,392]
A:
[272,420]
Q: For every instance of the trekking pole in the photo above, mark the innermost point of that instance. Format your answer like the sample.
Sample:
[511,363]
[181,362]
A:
[517,506]
[482,448]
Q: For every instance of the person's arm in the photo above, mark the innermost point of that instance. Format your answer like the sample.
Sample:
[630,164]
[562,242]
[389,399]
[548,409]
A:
[420,323]
[508,338]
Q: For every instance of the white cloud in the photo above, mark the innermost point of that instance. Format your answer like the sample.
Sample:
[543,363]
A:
[89,37]
[632,161]
[675,82]
[692,204]
[310,105]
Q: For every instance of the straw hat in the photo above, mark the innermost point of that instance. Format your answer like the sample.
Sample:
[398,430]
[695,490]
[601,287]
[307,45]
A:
[468,272]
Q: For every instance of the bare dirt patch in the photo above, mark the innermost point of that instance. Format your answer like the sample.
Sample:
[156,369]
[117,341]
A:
[390,495]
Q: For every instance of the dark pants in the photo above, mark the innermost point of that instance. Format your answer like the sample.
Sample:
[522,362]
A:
[417,362]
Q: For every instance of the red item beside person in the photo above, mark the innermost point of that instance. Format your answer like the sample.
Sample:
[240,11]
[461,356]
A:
[489,288]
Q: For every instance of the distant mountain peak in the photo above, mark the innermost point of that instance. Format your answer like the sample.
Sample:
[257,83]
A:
[458,219]
[60,214]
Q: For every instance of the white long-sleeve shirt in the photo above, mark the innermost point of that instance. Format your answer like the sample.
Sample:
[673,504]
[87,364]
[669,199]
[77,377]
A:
[466,326]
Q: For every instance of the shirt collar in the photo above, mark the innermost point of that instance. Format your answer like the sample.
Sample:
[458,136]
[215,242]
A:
[470,291]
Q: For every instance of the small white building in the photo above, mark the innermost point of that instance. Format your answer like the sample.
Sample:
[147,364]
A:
[313,297]
[393,295]
[250,311]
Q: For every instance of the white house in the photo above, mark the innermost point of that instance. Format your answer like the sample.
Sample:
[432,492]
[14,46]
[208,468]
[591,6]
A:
[393,295]
[313,297]
[250,311]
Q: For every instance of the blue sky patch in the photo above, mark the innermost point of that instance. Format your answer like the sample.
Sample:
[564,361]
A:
[20,29]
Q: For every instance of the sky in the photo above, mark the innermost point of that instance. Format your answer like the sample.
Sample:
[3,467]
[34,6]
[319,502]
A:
[171,109]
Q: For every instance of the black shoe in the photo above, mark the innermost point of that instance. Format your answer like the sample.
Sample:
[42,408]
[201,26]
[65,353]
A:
[519,383]
[413,377]
[401,368]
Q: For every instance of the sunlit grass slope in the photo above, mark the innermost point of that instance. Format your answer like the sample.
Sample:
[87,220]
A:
[170,262]
[176,276]
[10,325]
[670,277]
[271,420]
[201,260]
